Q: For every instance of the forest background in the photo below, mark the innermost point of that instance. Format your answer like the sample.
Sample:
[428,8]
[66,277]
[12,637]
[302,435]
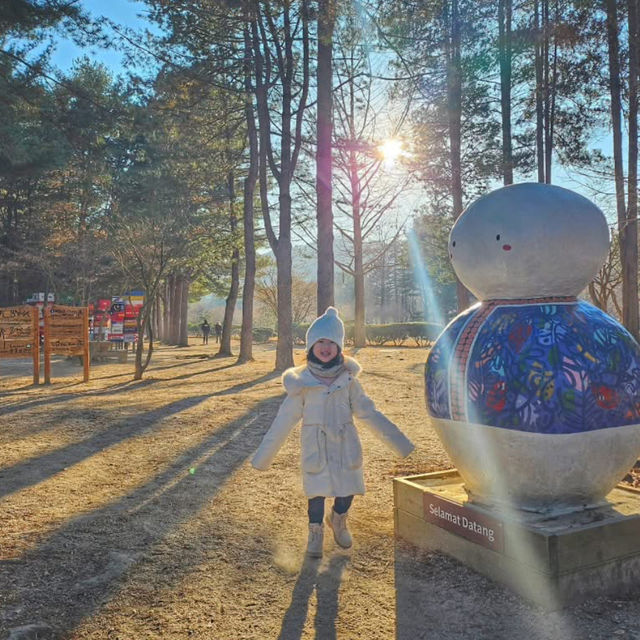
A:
[289,154]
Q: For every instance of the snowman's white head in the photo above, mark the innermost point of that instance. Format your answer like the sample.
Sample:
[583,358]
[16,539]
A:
[529,240]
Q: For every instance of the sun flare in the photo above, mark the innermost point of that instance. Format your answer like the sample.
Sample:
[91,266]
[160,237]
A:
[391,150]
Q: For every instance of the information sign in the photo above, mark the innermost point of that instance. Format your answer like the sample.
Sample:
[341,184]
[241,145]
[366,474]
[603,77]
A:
[66,332]
[19,335]
[464,521]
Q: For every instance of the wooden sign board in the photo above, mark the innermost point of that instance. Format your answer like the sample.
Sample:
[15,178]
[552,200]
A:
[9,332]
[464,521]
[66,332]
[70,346]
[15,315]
[16,348]
[20,336]
[61,312]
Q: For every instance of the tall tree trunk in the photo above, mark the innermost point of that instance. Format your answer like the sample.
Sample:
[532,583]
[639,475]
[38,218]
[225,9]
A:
[144,328]
[359,328]
[454,96]
[631,239]
[174,306]
[383,289]
[157,327]
[230,304]
[246,334]
[284,348]
[229,308]
[290,144]
[504,27]
[553,91]
[359,332]
[538,48]
[546,91]
[166,303]
[324,214]
[168,300]
[183,335]
[625,230]
[397,296]
[154,316]
[160,308]
[177,308]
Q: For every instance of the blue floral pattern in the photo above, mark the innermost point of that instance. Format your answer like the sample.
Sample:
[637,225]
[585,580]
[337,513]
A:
[542,368]
[438,363]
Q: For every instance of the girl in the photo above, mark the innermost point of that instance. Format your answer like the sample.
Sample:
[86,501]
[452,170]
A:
[326,394]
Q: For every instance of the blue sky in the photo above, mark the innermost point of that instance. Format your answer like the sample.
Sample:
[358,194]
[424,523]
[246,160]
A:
[129,13]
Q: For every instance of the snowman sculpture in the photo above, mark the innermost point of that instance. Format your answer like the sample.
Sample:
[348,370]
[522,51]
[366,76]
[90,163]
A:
[534,393]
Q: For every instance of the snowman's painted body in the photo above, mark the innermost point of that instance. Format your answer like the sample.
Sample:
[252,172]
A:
[535,395]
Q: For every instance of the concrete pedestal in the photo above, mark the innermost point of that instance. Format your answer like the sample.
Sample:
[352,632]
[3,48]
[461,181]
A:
[553,561]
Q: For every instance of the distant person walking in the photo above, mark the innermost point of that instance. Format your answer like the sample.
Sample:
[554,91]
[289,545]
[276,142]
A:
[205,327]
[218,328]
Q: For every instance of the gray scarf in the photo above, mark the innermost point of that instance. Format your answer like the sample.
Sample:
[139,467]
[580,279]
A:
[320,372]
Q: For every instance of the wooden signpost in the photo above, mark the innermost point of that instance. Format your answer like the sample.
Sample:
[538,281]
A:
[19,335]
[66,332]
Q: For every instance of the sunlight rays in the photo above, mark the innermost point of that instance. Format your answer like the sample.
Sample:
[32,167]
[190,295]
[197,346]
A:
[431,311]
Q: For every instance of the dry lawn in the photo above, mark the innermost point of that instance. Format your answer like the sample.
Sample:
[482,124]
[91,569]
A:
[129,510]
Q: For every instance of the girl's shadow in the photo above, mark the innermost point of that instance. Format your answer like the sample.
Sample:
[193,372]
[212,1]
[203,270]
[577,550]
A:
[326,585]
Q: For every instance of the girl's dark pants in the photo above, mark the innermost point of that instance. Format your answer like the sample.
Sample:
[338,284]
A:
[316,507]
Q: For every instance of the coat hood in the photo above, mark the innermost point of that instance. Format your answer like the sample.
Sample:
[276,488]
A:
[296,379]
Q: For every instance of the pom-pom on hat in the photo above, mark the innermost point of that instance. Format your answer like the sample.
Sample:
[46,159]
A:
[327,326]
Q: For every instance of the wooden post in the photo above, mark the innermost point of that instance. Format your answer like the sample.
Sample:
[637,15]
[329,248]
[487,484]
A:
[47,345]
[35,345]
[86,356]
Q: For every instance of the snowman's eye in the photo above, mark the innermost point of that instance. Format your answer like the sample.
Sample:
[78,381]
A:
[498,237]
[453,244]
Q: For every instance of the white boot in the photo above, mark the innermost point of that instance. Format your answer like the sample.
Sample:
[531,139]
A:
[341,534]
[315,540]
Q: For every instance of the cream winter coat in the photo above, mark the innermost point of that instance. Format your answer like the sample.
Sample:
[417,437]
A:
[331,453]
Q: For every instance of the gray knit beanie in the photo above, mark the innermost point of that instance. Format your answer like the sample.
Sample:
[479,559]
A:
[328,326]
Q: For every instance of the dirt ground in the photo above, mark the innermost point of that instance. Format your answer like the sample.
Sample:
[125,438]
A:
[129,510]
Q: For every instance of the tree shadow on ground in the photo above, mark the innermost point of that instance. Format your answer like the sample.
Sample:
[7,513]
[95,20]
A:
[151,378]
[129,385]
[185,361]
[194,374]
[60,416]
[150,371]
[63,397]
[39,468]
[428,597]
[439,597]
[66,415]
[326,584]
[10,392]
[384,376]
[246,385]
[79,568]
